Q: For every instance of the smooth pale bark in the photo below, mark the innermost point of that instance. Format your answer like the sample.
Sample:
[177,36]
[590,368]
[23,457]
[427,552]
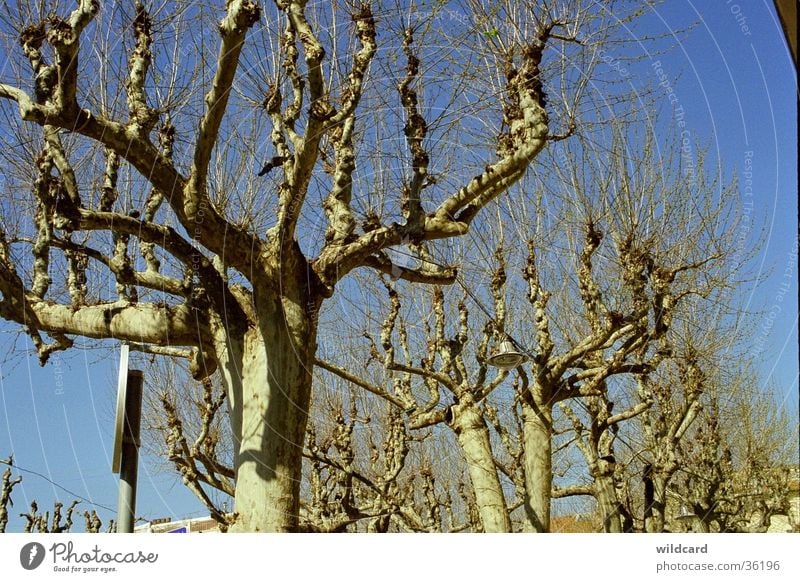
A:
[537,434]
[136,322]
[608,504]
[268,376]
[473,435]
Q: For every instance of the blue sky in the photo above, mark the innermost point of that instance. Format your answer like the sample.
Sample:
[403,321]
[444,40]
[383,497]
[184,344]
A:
[734,78]
[738,88]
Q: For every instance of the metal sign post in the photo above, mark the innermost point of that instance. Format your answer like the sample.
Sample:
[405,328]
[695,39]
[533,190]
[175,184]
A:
[126,441]
[119,419]
[129,459]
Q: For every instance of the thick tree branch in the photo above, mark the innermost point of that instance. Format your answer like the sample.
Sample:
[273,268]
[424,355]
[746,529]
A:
[590,292]
[241,15]
[526,119]
[142,116]
[380,262]
[538,299]
[187,198]
[632,412]
[425,419]
[415,131]
[527,122]
[572,491]
[154,324]
[148,279]
[293,192]
[341,222]
[64,36]
[166,138]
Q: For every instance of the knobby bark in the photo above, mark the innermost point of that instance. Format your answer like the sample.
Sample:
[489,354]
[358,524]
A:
[8,485]
[267,373]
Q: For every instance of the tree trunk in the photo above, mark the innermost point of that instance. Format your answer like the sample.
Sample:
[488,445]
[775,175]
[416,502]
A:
[655,499]
[473,435]
[269,375]
[537,446]
[608,504]
[659,504]
[649,496]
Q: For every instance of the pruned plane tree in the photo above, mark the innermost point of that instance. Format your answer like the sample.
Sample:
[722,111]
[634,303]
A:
[197,179]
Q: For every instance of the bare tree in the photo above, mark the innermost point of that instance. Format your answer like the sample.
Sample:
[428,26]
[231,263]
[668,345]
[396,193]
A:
[736,466]
[363,469]
[5,495]
[185,427]
[676,393]
[381,481]
[448,390]
[35,521]
[147,213]
[646,246]
[41,523]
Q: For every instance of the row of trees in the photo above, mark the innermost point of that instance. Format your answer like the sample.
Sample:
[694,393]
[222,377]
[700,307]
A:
[417,162]
[368,470]
[634,395]
[35,521]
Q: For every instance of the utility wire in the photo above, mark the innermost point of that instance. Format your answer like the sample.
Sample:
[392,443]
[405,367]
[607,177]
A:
[11,463]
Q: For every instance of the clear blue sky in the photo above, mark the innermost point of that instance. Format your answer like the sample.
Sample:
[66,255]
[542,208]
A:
[735,80]
[739,89]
